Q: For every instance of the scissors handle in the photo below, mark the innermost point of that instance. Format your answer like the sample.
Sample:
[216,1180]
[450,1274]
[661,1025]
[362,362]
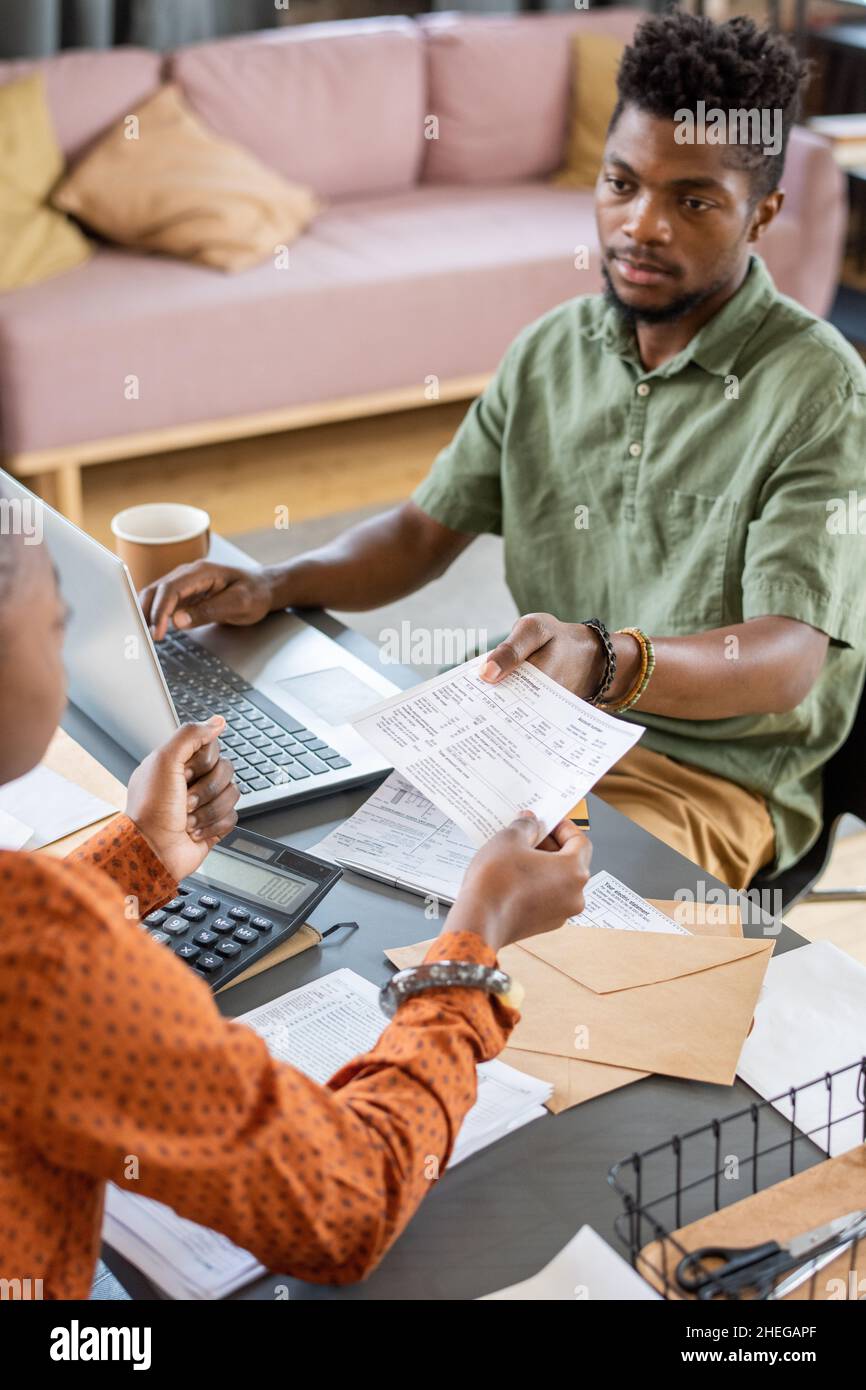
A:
[753,1262]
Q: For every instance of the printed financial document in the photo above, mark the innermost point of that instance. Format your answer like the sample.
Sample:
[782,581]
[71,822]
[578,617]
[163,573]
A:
[615,906]
[401,838]
[482,752]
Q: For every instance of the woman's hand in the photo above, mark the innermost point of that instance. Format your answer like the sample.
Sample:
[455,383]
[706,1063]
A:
[516,887]
[183,797]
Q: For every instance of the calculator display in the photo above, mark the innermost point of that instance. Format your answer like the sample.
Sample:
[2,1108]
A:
[280,890]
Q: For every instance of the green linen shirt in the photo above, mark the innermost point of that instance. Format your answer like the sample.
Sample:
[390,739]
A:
[722,486]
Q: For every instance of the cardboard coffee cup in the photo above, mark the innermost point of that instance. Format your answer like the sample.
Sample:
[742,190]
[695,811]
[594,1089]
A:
[158,536]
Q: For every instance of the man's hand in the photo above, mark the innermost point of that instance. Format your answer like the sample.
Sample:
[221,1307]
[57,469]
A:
[570,653]
[207,593]
[516,887]
[183,797]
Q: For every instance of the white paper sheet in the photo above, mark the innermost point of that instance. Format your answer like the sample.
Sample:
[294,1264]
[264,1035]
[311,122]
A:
[811,1019]
[14,834]
[586,1270]
[401,838]
[52,805]
[481,752]
[614,905]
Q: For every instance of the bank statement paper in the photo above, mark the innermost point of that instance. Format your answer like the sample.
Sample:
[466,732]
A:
[482,752]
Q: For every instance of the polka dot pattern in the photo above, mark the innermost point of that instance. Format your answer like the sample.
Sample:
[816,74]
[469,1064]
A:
[115,1065]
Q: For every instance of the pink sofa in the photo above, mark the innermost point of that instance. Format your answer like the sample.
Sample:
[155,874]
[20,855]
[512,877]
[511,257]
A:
[429,256]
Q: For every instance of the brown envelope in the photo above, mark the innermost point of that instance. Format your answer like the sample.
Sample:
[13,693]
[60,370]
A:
[799,1204]
[677,1005]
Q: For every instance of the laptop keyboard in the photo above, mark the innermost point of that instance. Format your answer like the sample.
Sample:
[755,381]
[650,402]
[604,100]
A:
[267,746]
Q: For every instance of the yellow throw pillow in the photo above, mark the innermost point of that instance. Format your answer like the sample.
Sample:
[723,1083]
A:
[35,242]
[160,181]
[596,61]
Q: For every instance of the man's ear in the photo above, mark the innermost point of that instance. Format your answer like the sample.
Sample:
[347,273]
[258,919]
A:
[765,213]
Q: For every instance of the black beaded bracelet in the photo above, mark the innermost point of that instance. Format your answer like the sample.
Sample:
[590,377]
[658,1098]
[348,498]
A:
[609,676]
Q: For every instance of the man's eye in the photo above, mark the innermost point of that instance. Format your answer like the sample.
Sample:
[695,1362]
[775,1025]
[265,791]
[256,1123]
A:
[619,185]
[696,204]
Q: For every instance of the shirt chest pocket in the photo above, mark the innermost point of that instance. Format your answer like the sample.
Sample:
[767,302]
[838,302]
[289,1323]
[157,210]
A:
[692,536]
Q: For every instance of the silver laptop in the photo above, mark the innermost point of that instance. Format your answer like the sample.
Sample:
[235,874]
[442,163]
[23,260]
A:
[286,690]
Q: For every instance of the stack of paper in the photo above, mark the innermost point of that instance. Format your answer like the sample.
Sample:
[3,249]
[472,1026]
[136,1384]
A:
[399,837]
[317,1029]
[185,1260]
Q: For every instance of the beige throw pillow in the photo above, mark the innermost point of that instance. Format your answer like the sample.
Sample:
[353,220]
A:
[35,242]
[160,181]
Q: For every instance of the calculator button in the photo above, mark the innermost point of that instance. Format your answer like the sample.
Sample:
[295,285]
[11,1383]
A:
[246,934]
[258,739]
[222,924]
[266,769]
[205,937]
[317,745]
[240,914]
[296,772]
[256,759]
[155,919]
[174,905]
[306,736]
[187,951]
[192,913]
[258,784]
[261,923]
[312,763]
[329,754]
[209,962]
[175,926]
[162,937]
[205,900]
[339,762]
[184,892]
[227,948]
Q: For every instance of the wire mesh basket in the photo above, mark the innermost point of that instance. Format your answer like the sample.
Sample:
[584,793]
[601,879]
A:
[672,1185]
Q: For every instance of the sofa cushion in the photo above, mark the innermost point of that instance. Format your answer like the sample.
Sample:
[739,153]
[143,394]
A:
[88,89]
[501,90]
[35,241]
[338,107]
[180,190]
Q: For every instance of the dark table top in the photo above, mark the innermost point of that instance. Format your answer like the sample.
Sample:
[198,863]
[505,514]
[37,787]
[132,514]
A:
[502,1214]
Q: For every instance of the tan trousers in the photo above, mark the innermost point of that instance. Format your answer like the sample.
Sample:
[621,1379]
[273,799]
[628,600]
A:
[715,823]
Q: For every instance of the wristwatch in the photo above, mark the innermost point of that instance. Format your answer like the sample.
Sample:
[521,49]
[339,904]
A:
[444,974]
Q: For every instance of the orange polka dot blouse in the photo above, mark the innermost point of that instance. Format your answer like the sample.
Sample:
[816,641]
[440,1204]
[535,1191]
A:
[110,1047]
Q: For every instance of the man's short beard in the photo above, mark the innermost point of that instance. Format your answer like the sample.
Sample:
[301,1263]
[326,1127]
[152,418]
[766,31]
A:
[671,313]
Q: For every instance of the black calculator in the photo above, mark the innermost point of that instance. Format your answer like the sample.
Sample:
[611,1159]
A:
[249,895]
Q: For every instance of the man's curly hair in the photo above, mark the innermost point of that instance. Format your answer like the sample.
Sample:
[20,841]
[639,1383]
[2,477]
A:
[677,59]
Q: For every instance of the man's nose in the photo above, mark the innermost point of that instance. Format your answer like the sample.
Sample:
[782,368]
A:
[646,222]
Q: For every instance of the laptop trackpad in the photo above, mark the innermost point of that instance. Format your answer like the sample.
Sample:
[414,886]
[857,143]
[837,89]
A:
[335,694]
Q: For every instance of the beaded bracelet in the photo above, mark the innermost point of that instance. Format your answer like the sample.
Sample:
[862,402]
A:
[609,676]
[647,666]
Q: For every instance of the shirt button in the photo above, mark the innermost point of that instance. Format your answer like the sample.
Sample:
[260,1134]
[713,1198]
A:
[643,389]
[634,450]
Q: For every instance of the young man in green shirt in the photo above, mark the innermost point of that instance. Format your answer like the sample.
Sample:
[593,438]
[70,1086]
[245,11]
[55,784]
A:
[669,456]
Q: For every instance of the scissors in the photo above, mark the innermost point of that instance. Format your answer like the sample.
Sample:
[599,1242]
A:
[716,1271]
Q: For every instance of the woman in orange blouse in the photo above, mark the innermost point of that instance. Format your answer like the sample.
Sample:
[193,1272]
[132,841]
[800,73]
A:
[110,1048]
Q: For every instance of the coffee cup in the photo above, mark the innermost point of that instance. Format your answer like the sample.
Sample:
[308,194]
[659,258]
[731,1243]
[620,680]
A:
[158,536]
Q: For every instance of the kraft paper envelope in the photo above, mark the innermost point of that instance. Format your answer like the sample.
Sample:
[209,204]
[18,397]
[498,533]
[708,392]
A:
[677,1005]
[574,1079]
[799,1204]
